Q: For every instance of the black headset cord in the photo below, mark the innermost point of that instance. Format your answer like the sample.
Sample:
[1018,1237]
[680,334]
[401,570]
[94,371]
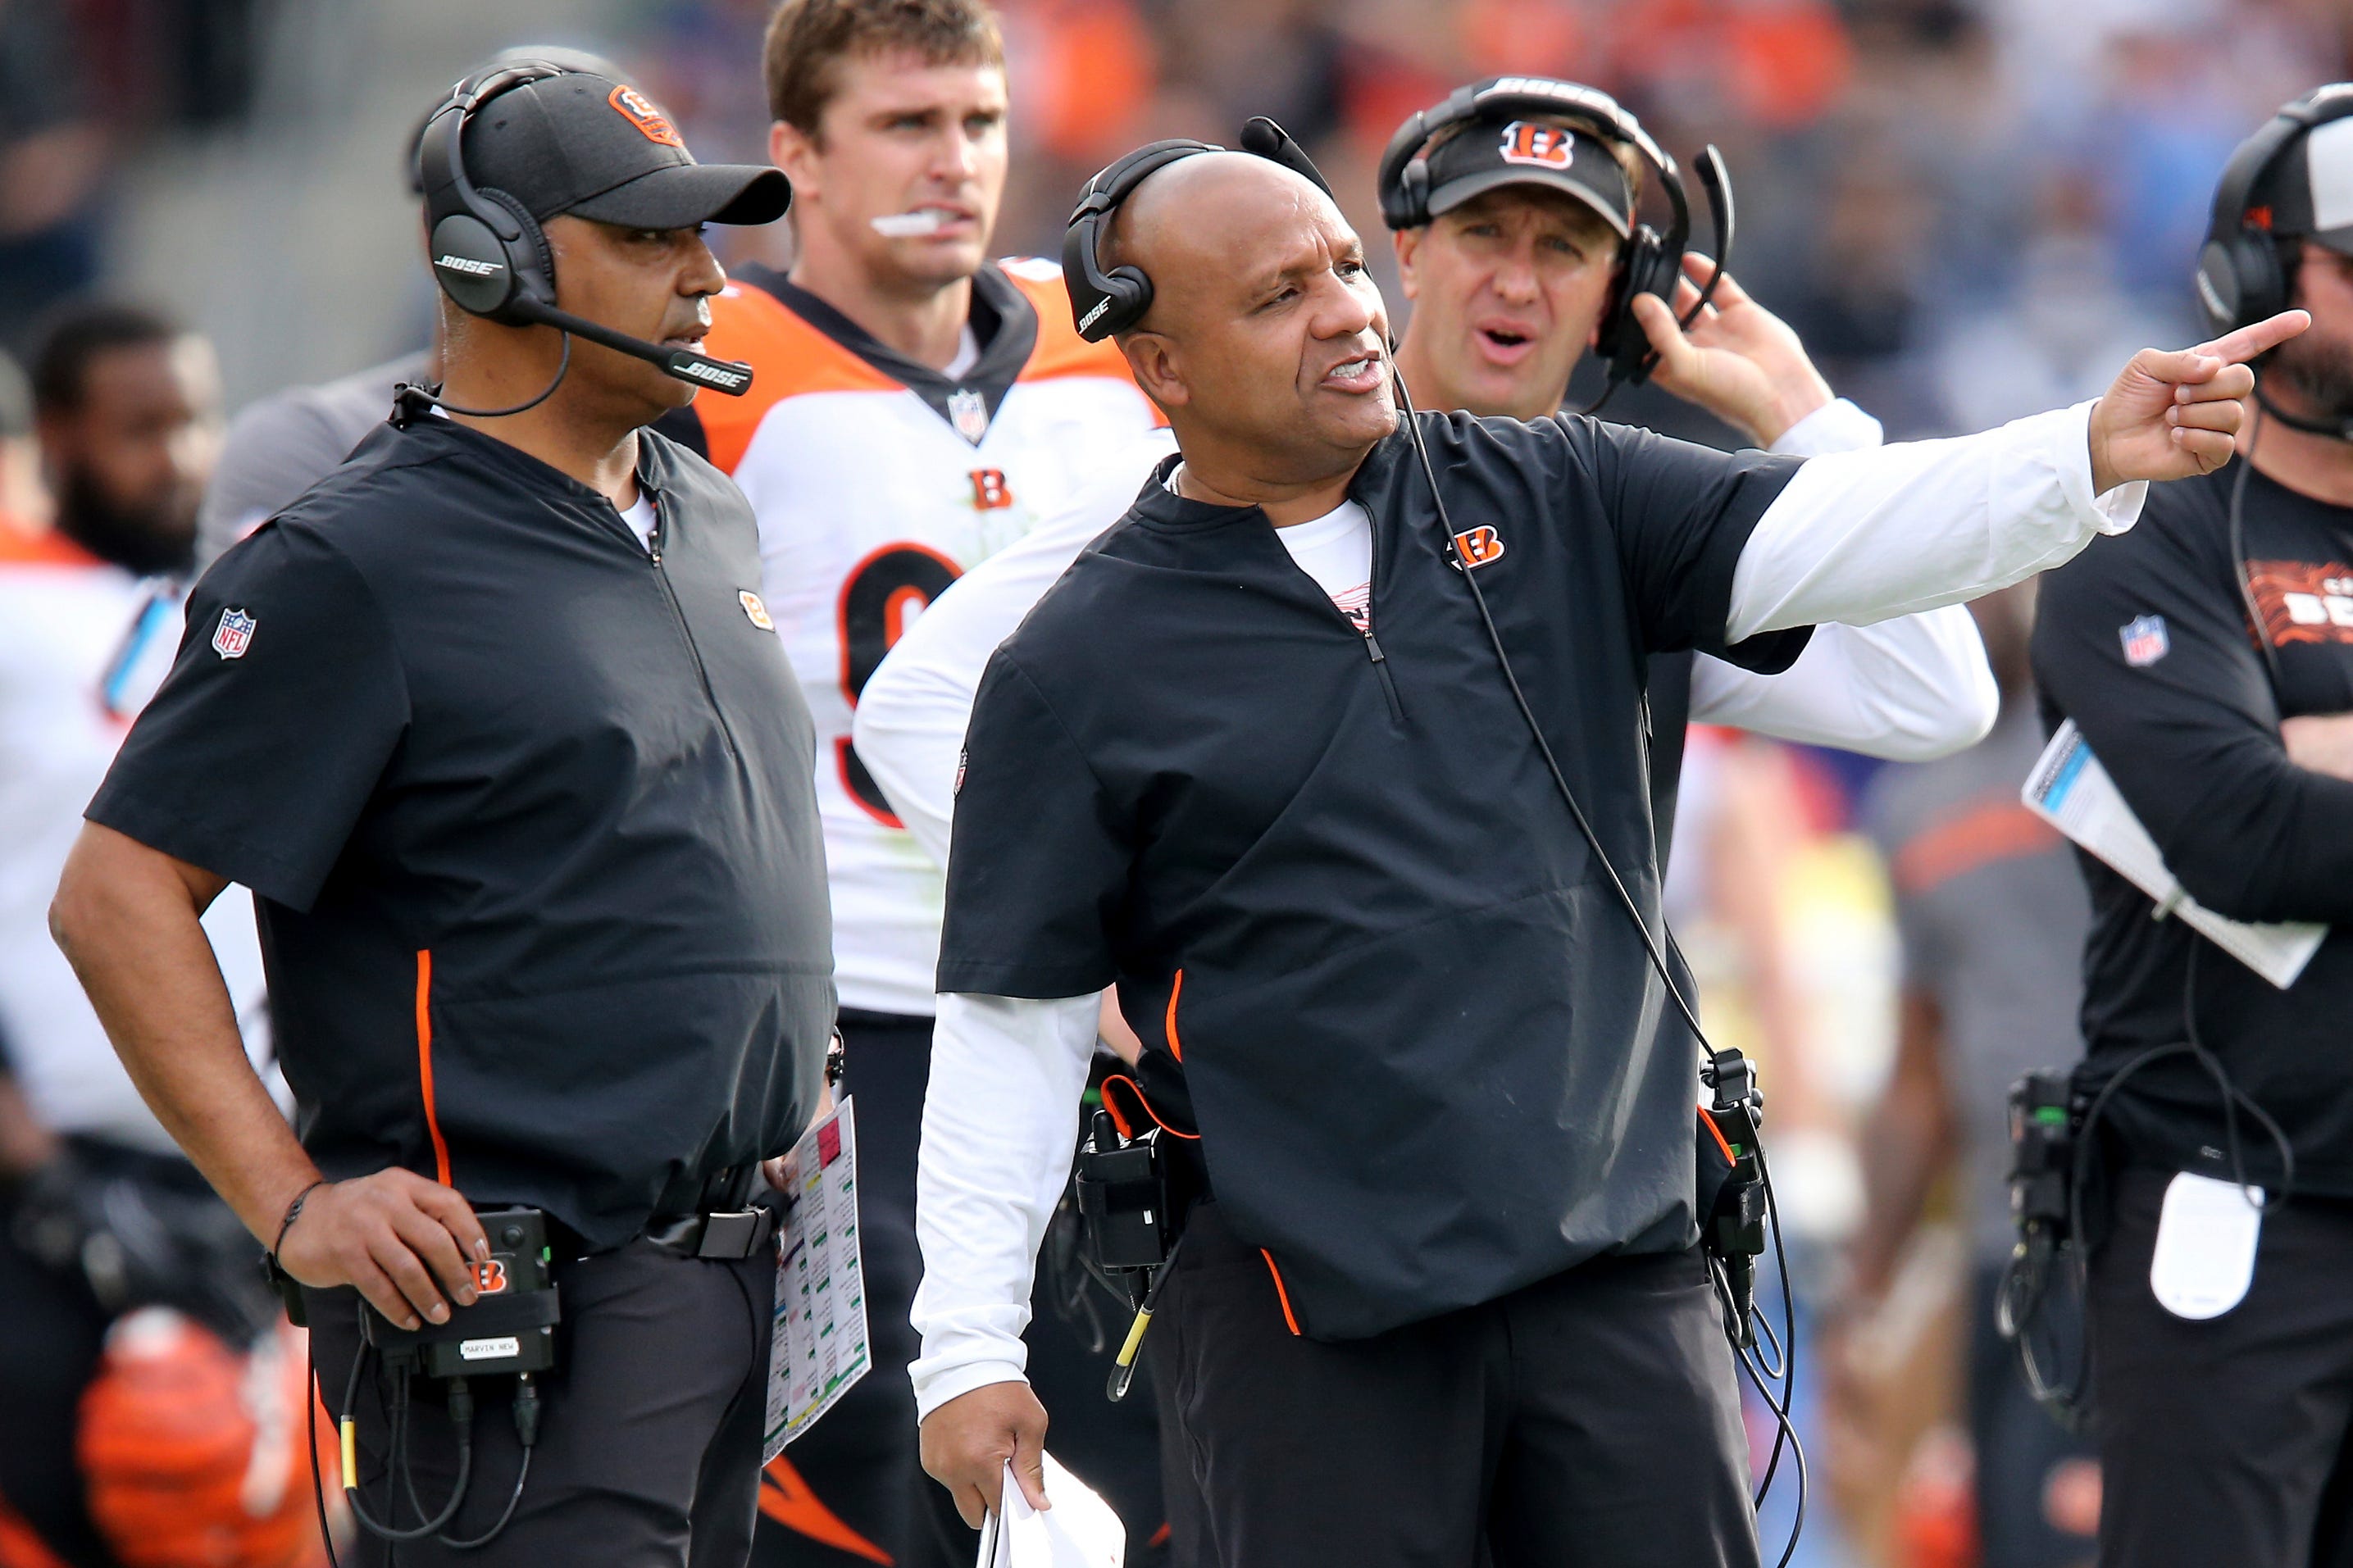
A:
[1626,900]
[412,399]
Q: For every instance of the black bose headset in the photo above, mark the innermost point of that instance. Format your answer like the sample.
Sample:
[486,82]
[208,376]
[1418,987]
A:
[2241,276]
[1106,302]
[1652,262]
[492,259]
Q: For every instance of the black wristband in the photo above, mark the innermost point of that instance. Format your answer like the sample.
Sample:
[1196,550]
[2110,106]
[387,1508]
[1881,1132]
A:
[293,1212]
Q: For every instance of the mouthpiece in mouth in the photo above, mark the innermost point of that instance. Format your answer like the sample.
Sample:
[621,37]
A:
[910,225]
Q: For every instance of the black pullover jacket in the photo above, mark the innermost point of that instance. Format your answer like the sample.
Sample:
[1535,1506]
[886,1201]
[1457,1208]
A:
[1376,967]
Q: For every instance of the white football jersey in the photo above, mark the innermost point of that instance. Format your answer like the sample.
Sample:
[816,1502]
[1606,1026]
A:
[87,645]
[878,482]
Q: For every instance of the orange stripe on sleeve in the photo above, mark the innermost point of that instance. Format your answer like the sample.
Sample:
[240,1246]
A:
[1281,1294]
[425,1062]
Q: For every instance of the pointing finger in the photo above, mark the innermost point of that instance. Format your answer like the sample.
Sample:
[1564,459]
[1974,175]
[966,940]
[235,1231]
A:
[2250,341]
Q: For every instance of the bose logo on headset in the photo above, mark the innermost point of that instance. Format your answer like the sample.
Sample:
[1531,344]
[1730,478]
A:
[468,265]
[725,380]
[1092,317]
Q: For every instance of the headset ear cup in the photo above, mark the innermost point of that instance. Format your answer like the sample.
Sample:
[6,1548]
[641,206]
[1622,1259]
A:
[1130,292]
[471,265]
[2218,287]
[1622,335]
[528,253]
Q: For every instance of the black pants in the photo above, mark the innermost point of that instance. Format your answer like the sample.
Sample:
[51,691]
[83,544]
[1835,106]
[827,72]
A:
[649,1451]
[1590,1419]
[51,1332]
[2022,1450]
[2225,1441]
[852,1490]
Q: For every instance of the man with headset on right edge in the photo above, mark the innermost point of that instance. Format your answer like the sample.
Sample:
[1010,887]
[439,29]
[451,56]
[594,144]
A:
[2208,660]
[1343,868]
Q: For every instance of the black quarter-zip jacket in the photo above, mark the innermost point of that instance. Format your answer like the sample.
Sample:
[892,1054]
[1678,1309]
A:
[529,815]
[1376,967]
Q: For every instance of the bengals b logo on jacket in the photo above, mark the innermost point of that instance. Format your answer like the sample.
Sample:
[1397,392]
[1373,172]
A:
[1479,545]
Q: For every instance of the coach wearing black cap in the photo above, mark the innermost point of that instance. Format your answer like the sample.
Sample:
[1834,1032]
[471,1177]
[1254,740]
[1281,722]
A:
[494,724]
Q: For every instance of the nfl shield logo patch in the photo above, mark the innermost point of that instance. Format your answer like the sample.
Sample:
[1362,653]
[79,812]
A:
[969,412]
[2145,640]
[234,635]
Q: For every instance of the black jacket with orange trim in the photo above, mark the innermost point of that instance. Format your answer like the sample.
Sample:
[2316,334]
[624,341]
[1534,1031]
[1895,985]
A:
[1376,967]
[529,816]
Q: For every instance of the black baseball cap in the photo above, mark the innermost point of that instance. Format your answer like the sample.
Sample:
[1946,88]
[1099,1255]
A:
[1557,154]
[592,146]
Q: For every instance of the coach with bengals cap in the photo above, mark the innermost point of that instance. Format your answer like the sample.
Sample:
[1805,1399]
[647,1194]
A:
[494,723]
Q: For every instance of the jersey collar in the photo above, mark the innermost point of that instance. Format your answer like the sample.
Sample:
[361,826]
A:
[1003,322]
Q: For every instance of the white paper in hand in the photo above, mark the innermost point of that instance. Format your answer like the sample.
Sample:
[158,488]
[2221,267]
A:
[1079,1531]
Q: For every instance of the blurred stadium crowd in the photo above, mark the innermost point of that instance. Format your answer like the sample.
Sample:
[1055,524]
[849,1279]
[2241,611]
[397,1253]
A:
[1969,211]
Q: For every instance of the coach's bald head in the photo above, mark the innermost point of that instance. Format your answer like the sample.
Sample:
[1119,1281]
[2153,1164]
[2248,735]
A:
[1264,341]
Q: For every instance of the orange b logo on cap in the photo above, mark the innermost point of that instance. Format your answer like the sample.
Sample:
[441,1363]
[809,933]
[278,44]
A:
[639,109]
[1546,146]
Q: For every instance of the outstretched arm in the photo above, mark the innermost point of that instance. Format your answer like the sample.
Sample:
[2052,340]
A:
[1909,689]
[1862,536]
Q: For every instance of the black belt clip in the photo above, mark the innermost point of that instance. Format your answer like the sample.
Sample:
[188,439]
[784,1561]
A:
[1733,1230]
[723,1234]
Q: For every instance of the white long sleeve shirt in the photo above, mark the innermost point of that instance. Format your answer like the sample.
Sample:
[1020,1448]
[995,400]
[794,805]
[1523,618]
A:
[1856,537]
[1909,689]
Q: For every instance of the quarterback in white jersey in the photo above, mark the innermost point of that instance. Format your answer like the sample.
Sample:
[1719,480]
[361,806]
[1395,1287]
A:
[878,481]
[914,409]
[87,644]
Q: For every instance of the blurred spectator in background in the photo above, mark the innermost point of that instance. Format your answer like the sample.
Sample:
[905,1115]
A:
[1993,916]
[51,156]
[24,502]
[127,405]
[135,1446]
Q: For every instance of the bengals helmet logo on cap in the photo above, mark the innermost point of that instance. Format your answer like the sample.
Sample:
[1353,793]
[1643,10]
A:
[639,109]
[1545,146]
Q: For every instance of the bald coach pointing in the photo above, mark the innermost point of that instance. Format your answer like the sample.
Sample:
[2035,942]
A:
[1254,761]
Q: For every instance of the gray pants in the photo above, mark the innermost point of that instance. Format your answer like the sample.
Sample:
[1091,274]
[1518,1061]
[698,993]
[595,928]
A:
[649,1452]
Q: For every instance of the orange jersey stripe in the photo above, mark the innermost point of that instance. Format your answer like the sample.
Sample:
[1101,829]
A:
[789,358]
[425,1062]
[47,547]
